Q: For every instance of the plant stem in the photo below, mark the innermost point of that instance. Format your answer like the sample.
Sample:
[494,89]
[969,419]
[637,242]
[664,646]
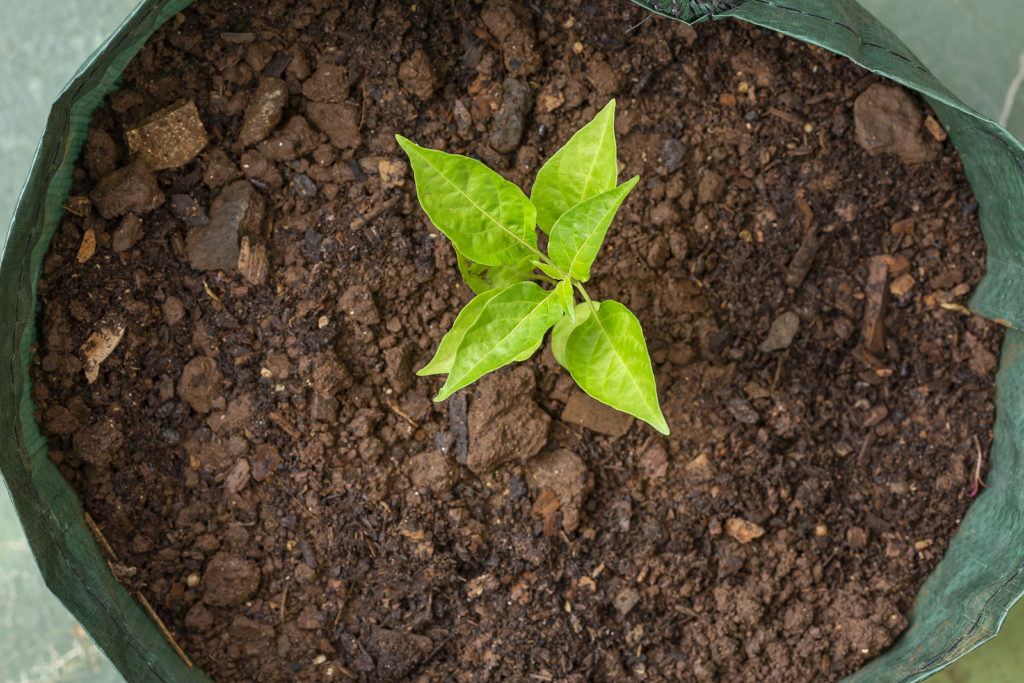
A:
[579,286]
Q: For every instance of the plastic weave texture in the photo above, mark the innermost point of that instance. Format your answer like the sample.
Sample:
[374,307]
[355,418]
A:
[961,605]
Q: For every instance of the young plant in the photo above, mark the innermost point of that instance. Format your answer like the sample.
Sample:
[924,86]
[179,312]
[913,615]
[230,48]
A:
[493,227]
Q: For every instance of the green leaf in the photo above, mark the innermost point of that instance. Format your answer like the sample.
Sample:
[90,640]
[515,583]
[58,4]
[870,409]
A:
[548,270]
[607,356]
[487,218]
[560,333]
[481,278]
[585,167]
[511,323]
[441,363]
[525,355]
[563,291]
[577,235]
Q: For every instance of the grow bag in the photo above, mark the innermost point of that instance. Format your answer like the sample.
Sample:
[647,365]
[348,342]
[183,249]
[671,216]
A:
[961,605]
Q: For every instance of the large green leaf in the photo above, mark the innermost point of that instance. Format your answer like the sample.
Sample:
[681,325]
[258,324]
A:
[607,356]
[560,333]
[481,278]
[487,218]
[511,323]
[441,363]
[578,233]
[585,167]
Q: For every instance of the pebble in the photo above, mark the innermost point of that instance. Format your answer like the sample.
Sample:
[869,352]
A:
[263,112]
[339,121]
[887,121]
[417,75]
[229,580]
[781,333]
[130,189]
[516,101]
[431,471]
[742,530]
[237,210]
[329,83]
[200,382]
[170,138]
[564,473]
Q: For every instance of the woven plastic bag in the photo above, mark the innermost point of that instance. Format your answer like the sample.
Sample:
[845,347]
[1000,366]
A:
[961,605]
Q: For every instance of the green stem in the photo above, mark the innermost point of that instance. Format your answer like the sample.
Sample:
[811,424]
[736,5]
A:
[579,286]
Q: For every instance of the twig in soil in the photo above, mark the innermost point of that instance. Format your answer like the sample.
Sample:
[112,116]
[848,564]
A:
[100,538]
[163,629]
[636,26]
[398,411]
[977,470]
[284,602]
[360,221]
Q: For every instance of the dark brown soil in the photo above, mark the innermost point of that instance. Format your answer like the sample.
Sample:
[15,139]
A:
[274,479]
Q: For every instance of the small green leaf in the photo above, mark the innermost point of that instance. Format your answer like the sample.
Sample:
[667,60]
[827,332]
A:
[548,270]
[487,218]
[585,167]
[578,233]
[607,356]
[511,323]
[481,278]
[560,333]
[563,290]
[441,363]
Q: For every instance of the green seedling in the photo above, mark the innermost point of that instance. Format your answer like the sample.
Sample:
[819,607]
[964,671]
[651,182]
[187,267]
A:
[493,225]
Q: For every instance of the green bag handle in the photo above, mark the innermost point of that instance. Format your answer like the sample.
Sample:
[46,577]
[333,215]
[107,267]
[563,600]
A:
[960,606]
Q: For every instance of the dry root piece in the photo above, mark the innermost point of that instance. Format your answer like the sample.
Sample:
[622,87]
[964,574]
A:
[99,346]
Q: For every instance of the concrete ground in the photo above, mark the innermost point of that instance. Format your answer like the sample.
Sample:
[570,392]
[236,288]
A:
[975,48]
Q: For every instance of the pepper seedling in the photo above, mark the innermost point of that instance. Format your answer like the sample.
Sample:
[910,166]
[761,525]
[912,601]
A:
[493,225]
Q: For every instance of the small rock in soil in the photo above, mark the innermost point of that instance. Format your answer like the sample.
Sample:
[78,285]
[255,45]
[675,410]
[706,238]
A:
[323,408]
[504,422]
[564,473]
[187,210]
[781,334]
[511,25]
[98,347]
[98,443]
[265,459]
[131,189]
[219,170]
[508,122]
[99,153]
[254,637]
[200,383]
[357,302]
[654,462]
[742,530]
[625,600]
[417,75]
[309,619]
[888,121]
[296,139]
[170,138]
[173,310]
[237,478]
[392,173]
[699,469]
[431,471]
[397,653]
[710,188]
[229,580]
[237,211]
[327,374]
[264,110]
[339,121]
[329,83]
[398,362]
[588,412]
[303,186]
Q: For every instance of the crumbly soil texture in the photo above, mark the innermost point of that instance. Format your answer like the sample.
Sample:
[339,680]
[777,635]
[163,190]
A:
[234,306]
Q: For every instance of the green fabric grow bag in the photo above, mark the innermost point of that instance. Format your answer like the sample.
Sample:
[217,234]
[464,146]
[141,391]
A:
[961,605]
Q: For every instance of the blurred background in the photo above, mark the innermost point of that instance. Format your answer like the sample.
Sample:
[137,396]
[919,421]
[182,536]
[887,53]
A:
[976,49]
